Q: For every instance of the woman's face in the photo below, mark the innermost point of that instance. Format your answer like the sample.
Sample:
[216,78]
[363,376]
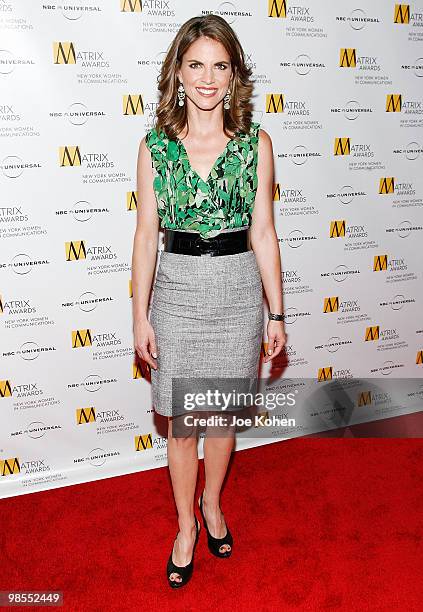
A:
[205,72]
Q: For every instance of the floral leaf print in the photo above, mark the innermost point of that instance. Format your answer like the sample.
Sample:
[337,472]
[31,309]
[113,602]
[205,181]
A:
[186,201]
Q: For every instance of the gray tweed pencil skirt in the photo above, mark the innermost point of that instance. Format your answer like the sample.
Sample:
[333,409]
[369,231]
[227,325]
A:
[207,316]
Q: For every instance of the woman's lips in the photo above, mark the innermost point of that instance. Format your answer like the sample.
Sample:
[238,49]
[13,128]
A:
[205,92]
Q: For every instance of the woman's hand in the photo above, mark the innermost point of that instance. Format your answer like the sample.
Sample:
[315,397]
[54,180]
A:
[276,339]
[145,342]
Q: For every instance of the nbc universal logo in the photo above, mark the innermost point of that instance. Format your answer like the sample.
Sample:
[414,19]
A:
[103,257]
[356,237]
[361,155]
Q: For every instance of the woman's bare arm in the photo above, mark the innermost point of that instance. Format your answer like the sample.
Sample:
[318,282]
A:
[144,253]
[263,236]
[264,242]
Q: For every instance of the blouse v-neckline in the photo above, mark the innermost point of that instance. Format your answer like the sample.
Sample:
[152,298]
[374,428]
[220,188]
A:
[219,157]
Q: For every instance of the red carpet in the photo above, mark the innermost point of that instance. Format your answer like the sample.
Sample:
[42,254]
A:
[317,524]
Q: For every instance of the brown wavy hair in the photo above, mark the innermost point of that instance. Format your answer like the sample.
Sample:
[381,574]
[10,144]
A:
[172,118]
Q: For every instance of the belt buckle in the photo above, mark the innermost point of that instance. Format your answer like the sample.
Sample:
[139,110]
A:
[204,247]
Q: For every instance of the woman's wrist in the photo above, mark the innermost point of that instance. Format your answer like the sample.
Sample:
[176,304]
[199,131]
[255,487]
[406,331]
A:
[276,316]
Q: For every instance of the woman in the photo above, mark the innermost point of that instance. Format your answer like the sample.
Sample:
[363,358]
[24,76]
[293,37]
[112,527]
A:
[205,171]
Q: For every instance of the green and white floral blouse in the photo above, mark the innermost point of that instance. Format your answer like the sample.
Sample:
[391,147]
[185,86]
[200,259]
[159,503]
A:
[224,201]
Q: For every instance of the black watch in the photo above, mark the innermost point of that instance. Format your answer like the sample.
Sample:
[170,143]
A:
[276,317]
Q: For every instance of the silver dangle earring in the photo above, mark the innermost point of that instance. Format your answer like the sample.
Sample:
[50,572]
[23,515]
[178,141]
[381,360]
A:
[181,95]
[227,100]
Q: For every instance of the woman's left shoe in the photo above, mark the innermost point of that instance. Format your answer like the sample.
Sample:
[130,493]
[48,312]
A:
[215,544]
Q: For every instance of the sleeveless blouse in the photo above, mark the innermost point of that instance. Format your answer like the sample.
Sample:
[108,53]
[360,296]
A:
[224,201]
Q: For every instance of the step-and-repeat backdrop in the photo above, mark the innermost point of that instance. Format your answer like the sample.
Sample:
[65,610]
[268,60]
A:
[338,88]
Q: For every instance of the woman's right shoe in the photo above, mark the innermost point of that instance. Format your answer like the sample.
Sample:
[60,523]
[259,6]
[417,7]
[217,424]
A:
[185,571]
[215,544]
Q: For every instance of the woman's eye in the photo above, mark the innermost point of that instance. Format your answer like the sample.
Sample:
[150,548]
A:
[195,64]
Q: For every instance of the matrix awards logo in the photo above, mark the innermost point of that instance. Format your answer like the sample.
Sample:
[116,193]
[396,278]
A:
[357,235]
[411,110]
[328,373]
[362,155]
[131,6]
[346,310]
[337,228]
[398,268]
[133,104]
[393,103]
[367,69]
[131,200]
[104,419]
[64,53]
[331,304]
[347,58]
[380,263]
[275,103]
[364,399]
[101,259]
[402,13]
[374,333]
[85,415]
[75,250]
[107,340]
[143,442]
[396,104]
[387,185]
[5,389]
[276,8]
[9,466]
[81,338]
[70,156]
[342,146]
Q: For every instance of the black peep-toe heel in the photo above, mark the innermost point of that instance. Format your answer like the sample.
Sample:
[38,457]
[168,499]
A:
[214,544]
[185,571]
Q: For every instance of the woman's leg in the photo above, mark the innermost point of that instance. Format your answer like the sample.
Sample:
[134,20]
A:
[183,467]
[217,452]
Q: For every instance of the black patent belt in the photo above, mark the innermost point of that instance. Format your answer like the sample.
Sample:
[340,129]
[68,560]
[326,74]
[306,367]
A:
[191,243]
